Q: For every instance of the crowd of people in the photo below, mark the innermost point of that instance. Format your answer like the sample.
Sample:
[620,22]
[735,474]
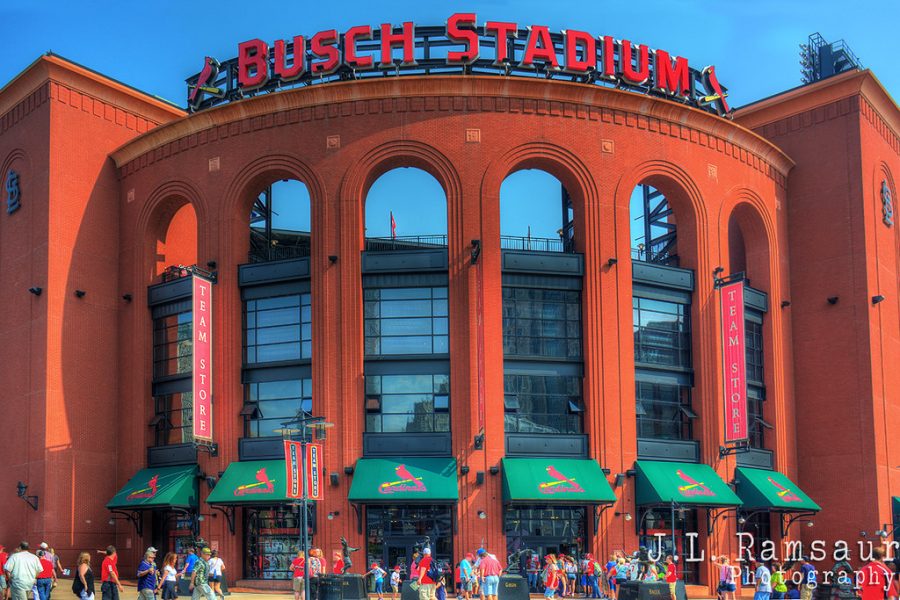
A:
[36,575]
[27,575]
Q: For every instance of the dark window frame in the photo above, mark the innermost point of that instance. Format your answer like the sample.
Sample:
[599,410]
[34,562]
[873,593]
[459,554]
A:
[526,321]
[255,308]
[173,332]
[649,399]
[649,346]
[426,415]
[521,419]
[375,321]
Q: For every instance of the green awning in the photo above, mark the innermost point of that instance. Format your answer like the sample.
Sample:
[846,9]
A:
[554,480]
[251,482]
[895,505]
[762,489]
[660,482]
[404,480]
[164,487]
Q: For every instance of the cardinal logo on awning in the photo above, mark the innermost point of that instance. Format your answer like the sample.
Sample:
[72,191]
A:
[407,483]
[692,487]
[560,484]
[147,492]
[263,485]
[784,493]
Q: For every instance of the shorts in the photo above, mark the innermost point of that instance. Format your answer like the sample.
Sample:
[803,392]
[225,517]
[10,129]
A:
[379,586]
[168,591]
[395,588]
[469,585]
[491,583]
[672,588]
[2,582]
[214,579]
[762,595]
[549,592]
[297,585]
[727,587]
[146,594]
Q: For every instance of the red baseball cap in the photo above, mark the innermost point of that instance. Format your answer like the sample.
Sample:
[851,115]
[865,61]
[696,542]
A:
[373,565]
[397,568]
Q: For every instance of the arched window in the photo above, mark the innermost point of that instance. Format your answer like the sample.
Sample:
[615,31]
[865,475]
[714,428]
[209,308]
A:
[176,240]
[653,231]
[406,209]
[280,222]
[536,213]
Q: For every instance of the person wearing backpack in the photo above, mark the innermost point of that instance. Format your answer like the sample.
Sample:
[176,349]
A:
[426,581]
[595,576]
[550,576]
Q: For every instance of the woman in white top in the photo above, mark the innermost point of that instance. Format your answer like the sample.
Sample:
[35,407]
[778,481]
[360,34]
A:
[216,569]
[169,577]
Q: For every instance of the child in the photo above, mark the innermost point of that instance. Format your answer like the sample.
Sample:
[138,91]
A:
[378,573]
[440,589]
[395,582]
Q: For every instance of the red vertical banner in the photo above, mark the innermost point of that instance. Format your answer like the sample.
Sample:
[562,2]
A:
[292,458]
[314,489]
[734,354]
[202,359]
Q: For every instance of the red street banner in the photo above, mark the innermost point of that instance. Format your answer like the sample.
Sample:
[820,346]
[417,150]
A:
[314,472]
[292,453]
[735,361]
[202,358]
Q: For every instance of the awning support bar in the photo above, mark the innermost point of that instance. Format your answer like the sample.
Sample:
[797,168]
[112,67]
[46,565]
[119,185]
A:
[787,522]
[135,517]
[599,509]
[357,508]
[716,515]
[228,511]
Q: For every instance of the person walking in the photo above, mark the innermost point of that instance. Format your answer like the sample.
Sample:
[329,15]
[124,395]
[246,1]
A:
[297,581]
[190,560]
[395,583]
[490,569]
[875,578]
[550,576]
[763,578]
[146,575]
[200,578]
[22,570]
[169,583]
[110,586]
[46,579]
[216,573]
[727,585]
[808,579]
[671,576]
[595,574]
[426,582]
[466,575]
[84,577]
[779,586]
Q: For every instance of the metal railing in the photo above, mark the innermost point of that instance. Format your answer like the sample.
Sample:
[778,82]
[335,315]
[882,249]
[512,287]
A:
[537,244]
[408,242]
[658,257]
[278,252]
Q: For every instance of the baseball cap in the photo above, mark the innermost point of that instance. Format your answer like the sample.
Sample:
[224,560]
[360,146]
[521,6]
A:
[206,551]
[373,565]
[44,545]
[469,555]
[151,550]
[481,552]
[397,568]
[426,551]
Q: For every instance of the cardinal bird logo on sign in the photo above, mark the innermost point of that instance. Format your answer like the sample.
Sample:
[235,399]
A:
[786,495]
[205,83]
[263,485]
[561,484]
[407,482]
[147,492]
[692,487]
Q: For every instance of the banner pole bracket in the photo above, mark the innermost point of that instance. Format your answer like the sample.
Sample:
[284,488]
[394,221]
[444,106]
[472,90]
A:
[211,448]
[736,449]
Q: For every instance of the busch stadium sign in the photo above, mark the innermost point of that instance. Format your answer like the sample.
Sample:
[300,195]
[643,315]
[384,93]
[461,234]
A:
[460,48]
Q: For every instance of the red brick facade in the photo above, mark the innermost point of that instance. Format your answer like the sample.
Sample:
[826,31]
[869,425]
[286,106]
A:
[106,170]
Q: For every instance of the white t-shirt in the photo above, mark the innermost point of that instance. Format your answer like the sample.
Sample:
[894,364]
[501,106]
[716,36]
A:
[169,573]
[215,567]
[395,578]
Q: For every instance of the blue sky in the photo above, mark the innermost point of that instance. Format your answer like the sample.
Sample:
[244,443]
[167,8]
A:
[154,46]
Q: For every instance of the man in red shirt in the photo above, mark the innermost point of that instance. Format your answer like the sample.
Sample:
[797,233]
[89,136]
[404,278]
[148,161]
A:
[426,583]
[875,578]
[490,569]
[109,575]
[298,583]
[671,575]
[46,577]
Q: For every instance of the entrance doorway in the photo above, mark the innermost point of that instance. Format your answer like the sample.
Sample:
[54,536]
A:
[393,533]
[171,532]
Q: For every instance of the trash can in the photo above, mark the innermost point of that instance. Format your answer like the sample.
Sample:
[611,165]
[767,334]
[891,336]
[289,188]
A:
[353,586]
[513,587]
